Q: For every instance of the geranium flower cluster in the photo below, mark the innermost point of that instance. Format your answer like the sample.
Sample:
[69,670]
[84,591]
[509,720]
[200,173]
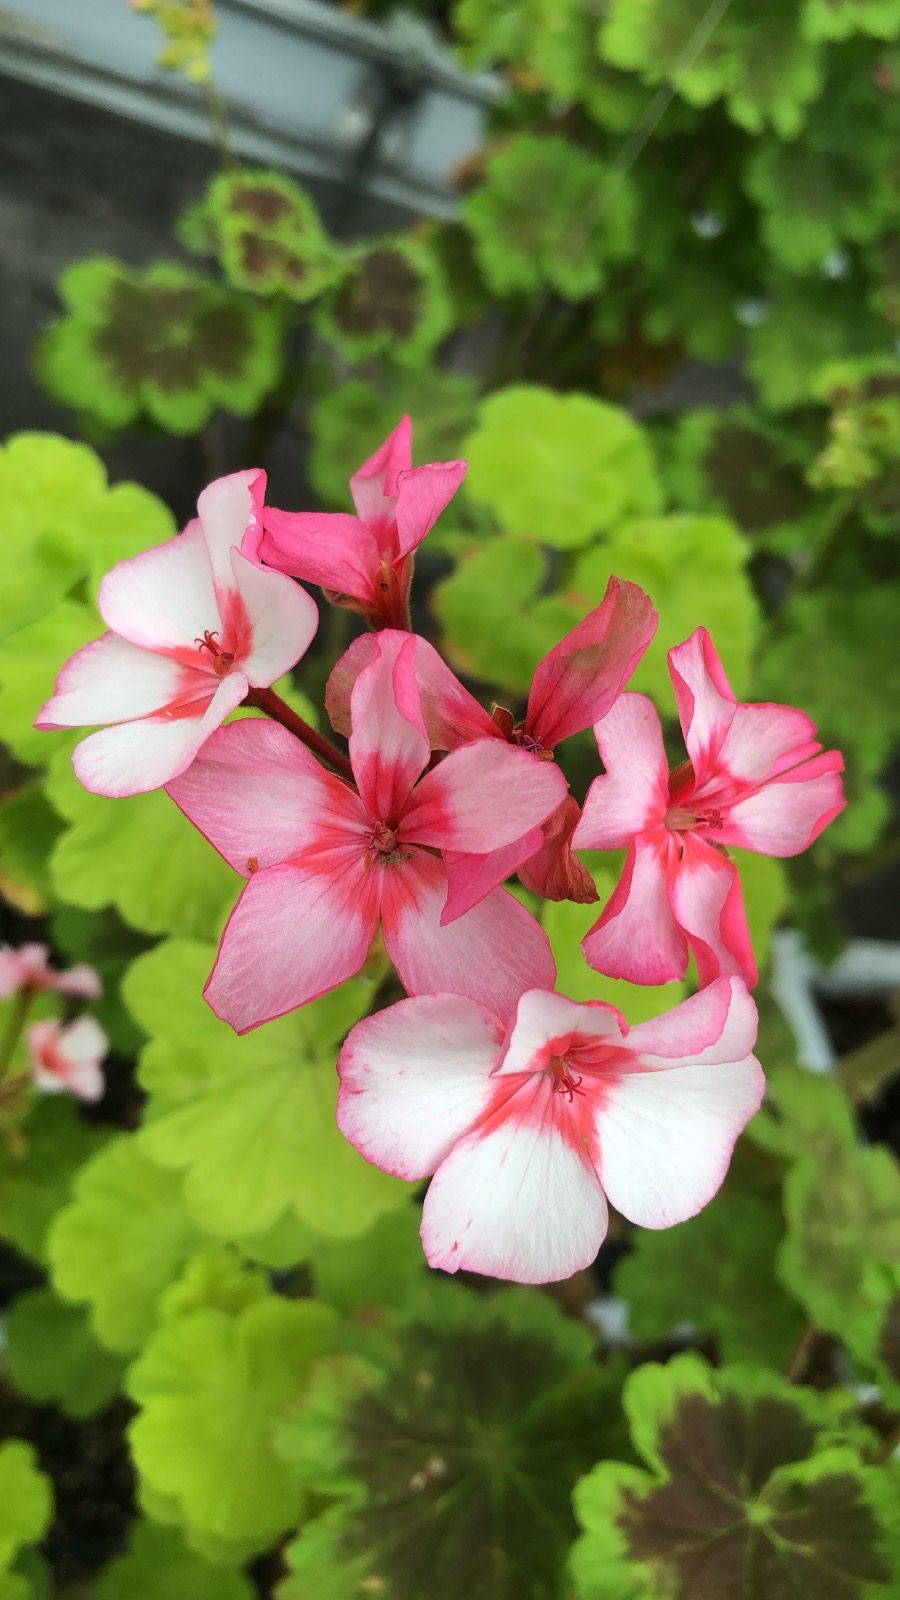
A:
[63,1057]
[529,1109]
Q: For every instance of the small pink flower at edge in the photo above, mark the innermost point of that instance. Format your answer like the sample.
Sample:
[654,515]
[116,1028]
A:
[756,778]
[29,968]
[366,562]
[67,1058]
[194,626]
[529,1128]
[325,863]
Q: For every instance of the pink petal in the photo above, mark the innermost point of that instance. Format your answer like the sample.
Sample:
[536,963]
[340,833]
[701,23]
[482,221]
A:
[471,877]
[329,548]
[27,966]
[718,1024]
[134,757]
[706,899]
[515,1200]
[492,954]
[296,931]
[764,740]
[378,478]
[637,936]
[111,680]
[388,744]
[553,872]
[575,685]
[544,1018]
[784,816]
[452,715]
[633,793]
[258,795]
[706,701]
[282,618]
[226,511]
[81,981]
[422,495]
[414,1078]
[481,797]
[68,1058]
[163,599]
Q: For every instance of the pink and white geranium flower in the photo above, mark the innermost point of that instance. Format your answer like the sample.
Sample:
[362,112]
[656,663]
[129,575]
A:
[529,1125]
[29,968]
[756,778]
[66,1059]
[194,627]
[572,688]
[325,863]
[366,562]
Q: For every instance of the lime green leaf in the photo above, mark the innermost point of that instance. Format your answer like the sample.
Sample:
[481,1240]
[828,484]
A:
[217,1279]
[390,299]
[108,945]
[839,19]
[353,419]
[36,1174]
[559,468]
[159,1563]
[52,1355]
[816,192]
[26,1499]
[211,1388]
[29,828]
[495,627]
[250,1120]
[120,1242]
[30,660]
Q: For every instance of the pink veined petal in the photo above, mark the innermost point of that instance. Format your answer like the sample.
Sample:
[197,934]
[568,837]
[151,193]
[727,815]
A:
[377,479]
[452,715]
[422,494]
[414,1078]
[283,620]
[664,1138]
[258,795]
[707,903]
[705,699]
[81,981]
[784,816]
[226,510]
[471,877]
[325,547]
[764,740]
[633,794]
[553,871]
[163,599]
[297,931]
[388,744]
[491,955]
[111,680]
[636,936]
[544,1018]
[134,757]
[514,1199]
[576,684]
[717,1024]
[482,797]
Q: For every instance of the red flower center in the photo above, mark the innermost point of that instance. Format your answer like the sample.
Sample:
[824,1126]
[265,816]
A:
[222,660]
[384,848]
[563,1079]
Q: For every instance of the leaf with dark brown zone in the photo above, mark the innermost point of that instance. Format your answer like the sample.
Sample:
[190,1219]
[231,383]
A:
[381,296]
[391,298]
[760,488]
[261,201]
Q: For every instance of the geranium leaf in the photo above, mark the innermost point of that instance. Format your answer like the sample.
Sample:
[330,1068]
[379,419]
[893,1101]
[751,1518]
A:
[26,1499]
[52,1355]
[158,1562]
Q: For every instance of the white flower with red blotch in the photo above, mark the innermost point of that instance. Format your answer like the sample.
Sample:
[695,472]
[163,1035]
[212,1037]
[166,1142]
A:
[756,778]
[366,562]
[530,1126]
[195,626]
[28,968]
[326,863]
[66,1058]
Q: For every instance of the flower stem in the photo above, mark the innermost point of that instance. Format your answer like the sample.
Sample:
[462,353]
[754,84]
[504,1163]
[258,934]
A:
[272,704]
[800,1359]
[12,1033]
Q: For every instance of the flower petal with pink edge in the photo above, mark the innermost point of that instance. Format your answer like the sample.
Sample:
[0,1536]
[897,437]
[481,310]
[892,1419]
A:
[297,931]
[636,936]
[422,495]
[388,744]
[68,1059]
[111,680]
[471,877]
[23,968]
[258,795]
[706,701]
[227,509]
[377,479]
[452,715]
[514,1199]
[544,1018]
[575,685]
[282,618]
[134,757]
[481,797]
[414,1078]
[708,905]
[633,793]
[784,816]
[163,599]
[491,955]
[553,872]
[329,548]
[81,981]
[717,1024]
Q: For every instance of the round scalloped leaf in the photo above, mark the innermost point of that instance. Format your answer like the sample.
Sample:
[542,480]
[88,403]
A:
[26,1499]
[811,322]
[743,467]
[694,569]
[37,1172]
[840,19]
[495,627]
[352,420]
[53,1356]
[211,1388]
[30,659]
[160,1564]
[270,236]
[559,468]
[816,192]
[120,1242]
[250,1120]
[549,213]
[165,344]
[390,299]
